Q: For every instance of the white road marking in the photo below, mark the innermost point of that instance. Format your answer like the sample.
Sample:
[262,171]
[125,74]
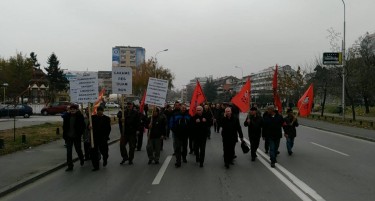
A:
[339,152]
[300,184]
[161,172]
[300,188]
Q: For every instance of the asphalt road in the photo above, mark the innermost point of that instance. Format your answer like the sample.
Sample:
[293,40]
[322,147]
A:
[18,122]
[324,166]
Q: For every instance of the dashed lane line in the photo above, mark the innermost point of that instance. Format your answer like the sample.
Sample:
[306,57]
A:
[339,152]
[162,170]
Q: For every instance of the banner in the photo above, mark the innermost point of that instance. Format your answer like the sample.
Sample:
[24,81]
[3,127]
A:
[242,99]
[98,101]
[142,105]
[87,87]
[197,99]
[156,92]
[305,103]
[122,80]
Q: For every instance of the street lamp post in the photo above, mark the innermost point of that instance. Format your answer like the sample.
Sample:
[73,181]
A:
[156,58]
[5,85]
[343,66]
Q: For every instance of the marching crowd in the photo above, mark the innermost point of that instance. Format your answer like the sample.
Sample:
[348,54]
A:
[189,132]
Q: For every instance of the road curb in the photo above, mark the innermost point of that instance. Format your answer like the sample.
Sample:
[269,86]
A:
[24,182]
[341,133]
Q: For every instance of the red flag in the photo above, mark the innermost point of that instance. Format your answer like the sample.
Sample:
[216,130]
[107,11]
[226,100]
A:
[141,107]
[197,98]
[242,99]
[305,103]
[276,97]
[97,102]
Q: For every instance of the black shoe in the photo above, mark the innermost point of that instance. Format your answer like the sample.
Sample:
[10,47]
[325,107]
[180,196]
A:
[87,158]
[149,162]
[69,169]
[273,165]
[156,162]
[130,162]
[253,159]
[277,153]
[104,163]
[184,160]
[227,165]
[138,149]
[82,162]
[95,169]
[177,165]
[290,153]
[201,165]
[234,156]
[190,152]
[231,163]
[123,161]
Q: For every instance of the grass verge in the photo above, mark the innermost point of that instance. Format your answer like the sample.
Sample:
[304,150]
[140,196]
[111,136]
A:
[34,135]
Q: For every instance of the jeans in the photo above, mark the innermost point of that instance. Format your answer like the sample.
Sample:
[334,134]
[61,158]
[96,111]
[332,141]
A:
[274,147]
[289,144]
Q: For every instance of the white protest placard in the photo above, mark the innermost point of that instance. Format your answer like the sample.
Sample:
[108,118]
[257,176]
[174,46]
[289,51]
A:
[156,92]
[73,90]
[87,87]
[122,80]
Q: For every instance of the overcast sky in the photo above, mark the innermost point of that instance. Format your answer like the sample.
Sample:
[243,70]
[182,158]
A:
[204,37]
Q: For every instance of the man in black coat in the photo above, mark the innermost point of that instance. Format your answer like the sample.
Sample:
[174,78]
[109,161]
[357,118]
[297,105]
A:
[73,128]
[129,134]
[157,128]
[273,123]
[290,131]
[199,131]
[231,129]
[254,124]
[101,127]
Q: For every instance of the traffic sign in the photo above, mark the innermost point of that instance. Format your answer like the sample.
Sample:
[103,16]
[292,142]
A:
[332,58]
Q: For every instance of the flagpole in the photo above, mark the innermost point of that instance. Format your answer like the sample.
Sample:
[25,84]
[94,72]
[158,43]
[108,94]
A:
[91,130]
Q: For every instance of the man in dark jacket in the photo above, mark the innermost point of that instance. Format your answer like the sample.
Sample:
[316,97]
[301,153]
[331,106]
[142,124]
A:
[290,131]
[181,129]
[140,131]
[157,129]
[254,124]
[273,123]
[199,131]
[208,114]
[217,115]
[129,134]
[231,129]
[73,128]
[101,128]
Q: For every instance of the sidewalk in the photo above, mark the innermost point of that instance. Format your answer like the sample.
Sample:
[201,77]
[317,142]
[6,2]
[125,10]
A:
[346,116]
[361,133]
[24,167]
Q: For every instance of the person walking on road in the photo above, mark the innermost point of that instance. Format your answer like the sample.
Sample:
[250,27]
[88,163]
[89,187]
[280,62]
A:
[73,128]
[231,130]
[156,130]
[273,123]
[290,132]
[101,127]
[208,114]
[181,129]
[129,134]
[254,124]
[199,130]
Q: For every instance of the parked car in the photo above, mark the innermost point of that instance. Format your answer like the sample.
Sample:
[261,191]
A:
[55,108]
[16,110]
[111,105]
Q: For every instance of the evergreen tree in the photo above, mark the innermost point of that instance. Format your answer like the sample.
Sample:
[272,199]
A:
[210,90]
[57,80]
[34,60]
